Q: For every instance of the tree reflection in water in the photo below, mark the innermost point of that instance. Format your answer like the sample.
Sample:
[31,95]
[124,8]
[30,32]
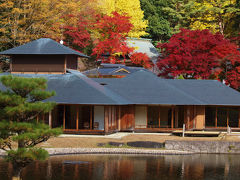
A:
[126,167]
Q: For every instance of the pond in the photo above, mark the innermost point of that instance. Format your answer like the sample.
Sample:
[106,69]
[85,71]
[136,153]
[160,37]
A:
[124,167]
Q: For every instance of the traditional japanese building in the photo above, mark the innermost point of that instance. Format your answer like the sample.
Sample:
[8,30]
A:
[139,101]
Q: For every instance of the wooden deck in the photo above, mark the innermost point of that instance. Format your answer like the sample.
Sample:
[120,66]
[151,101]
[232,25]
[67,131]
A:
[197,133]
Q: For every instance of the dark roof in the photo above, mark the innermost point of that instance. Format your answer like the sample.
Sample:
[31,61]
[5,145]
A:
[141,87]
[113,69]
[75,88]
[144,87]
[42,46]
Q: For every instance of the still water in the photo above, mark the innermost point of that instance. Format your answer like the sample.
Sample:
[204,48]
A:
[117,167]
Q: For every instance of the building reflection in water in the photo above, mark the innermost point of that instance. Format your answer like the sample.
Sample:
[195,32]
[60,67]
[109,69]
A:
[91,167]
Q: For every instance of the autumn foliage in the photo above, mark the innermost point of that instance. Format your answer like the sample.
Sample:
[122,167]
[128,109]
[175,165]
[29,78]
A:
[112,40]
[200,55]
[77,34]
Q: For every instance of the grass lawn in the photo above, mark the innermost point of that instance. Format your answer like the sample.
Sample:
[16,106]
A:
[91,142]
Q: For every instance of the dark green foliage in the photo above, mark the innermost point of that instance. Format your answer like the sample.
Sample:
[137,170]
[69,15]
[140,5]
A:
[22,100]
[29,134]
[20,104]
[164,17]
[22,156]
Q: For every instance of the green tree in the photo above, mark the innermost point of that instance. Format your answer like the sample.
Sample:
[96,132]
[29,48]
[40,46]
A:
[20,104]
[165,17]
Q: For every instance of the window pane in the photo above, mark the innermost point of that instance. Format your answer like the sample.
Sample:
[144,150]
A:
[233,117]
[70,117]
[153,116]
[210,116]
[84,117]
[222,117]
[165,117]
[180,116]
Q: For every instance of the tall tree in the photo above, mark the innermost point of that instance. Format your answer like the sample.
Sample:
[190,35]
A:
[130,8]
[20,105]
[23,21]
[164,17]
[200,54]
[215,15]
[112,40]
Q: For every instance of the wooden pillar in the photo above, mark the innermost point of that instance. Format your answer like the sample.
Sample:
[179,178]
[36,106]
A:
[176,116]
[188,116]
[159,116]
[133,117]
[11,64]
[91,117]
[227,117]
[239,117]
[216,118]
[119,118]
[106,116]
[65,64]
[172,118]
[64,116]
[77,118]
[37,118]
[50,119]
[195,113]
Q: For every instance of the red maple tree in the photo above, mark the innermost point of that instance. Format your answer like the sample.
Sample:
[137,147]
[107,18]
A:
[77,35]
[196,54]
[112,41]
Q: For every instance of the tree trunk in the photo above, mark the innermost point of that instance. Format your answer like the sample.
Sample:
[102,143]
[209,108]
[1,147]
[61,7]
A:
[17,173]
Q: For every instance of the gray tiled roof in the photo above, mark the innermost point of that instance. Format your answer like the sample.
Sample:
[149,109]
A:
[145,88]
[113,69]
[141,87]
[42,46]
[75,88]
[144,46]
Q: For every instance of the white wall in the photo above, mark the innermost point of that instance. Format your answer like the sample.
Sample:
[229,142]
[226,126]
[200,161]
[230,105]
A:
[140,116]
[99,116]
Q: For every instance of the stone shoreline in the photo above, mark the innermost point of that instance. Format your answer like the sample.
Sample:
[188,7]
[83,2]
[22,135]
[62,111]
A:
[63,151]
[66,151]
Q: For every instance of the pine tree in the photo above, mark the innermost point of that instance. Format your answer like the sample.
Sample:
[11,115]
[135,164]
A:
[20,104]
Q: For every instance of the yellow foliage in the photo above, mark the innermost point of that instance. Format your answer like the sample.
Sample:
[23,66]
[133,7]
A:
[214,15]
[23,21]
[131,8]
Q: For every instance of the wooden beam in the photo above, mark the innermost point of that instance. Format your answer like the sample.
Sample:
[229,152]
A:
[18,72]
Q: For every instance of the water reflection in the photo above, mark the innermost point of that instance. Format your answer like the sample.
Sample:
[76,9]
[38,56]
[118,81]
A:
[92,167]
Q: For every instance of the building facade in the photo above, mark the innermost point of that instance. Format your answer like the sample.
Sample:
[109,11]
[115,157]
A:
[139,101]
